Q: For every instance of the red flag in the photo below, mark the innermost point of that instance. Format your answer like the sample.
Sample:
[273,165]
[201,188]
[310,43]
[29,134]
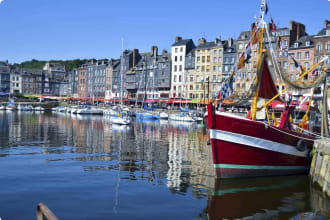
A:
[273,25]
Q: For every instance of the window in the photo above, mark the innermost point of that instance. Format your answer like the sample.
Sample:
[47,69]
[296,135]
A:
[215,59]
[191,87]
[198,68]
[328,47]
[174,88]
[285,42]
[291,66]
[296,44]
[197,78]
[299,55]
[219,68]
[191,78]
[203,59]
[208,59]
[214,78]
[180,58]
[306,54]
[181,49]
[175,68]
[174,80]
[180,78]
[215,52]
[179,88]
[306,65]
[308,43]
[214,68]
[198,59]
[197,87]
[203,68]
[180,68]
[240,46]
[219,59]
[226,68]
[318,47]
[208,68]
[285,65]
[176,50]
[175,58]
[213,86]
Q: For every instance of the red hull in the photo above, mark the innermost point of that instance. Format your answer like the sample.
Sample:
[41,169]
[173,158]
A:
[246,148]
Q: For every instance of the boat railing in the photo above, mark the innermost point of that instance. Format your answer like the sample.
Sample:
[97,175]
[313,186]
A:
[44,212]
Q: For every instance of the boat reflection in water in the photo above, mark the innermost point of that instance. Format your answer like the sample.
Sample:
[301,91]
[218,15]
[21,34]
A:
[258,198]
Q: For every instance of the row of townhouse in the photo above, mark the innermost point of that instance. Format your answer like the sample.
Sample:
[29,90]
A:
[51,80]
[306,49]
[190,71]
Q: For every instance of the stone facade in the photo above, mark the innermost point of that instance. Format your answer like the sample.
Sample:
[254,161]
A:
[4,77]
[82,87]
[32,81]
[15,81]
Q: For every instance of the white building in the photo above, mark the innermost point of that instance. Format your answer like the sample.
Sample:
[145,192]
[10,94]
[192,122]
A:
[15,81]
[179,51]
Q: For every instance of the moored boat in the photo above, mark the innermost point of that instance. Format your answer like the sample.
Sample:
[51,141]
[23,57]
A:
[253,146]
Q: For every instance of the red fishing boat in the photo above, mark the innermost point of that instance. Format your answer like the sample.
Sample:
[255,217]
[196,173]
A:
[245,147]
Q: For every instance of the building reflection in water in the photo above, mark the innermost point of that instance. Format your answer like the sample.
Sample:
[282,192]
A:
[169,153]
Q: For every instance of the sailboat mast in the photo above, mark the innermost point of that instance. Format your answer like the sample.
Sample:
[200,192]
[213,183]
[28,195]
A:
[254,107]
[121,71]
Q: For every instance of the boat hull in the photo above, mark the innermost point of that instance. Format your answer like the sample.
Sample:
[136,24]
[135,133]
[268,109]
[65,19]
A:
[246,148]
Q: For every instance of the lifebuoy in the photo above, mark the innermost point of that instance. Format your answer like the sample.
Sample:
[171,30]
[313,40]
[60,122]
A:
[301,145]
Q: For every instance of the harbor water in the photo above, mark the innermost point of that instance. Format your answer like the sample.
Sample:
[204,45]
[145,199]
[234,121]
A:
[84,167]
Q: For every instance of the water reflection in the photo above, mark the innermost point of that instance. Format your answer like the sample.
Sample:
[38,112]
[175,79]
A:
[121,159]
[259,198]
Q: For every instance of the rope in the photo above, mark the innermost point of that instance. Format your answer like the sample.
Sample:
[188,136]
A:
[287,133]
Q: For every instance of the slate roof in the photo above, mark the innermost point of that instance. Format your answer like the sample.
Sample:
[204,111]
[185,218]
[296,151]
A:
[246,34]
[302,42]
[181,42]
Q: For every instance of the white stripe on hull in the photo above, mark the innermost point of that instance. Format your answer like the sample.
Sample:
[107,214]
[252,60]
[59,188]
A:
[256,142]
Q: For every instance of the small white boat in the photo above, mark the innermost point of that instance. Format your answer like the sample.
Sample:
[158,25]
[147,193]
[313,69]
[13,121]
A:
[182,117]
[39,109]
[89,110]
[3,108]
[163,115]
[121,119]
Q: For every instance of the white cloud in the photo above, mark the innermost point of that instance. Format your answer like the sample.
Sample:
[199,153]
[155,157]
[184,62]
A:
[1,1]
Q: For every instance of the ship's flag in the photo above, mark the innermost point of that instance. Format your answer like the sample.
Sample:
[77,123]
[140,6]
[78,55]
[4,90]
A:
[279,41]
[266,8]
[255,34]
[227,87]
[296,64]
[241,62]
[248,55]
[273,25]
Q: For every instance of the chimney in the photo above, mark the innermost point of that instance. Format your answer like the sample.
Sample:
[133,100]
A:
[230,42]
[135,57]
[217,41]
[270,27]
[326,23]
[177,39]
[201,41]
[164,52]
[154,51]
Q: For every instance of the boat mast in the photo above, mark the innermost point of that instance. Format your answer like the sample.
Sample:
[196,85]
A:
[121,71]
[254,107]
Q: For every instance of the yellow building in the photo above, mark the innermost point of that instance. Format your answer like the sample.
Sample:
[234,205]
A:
[204,81]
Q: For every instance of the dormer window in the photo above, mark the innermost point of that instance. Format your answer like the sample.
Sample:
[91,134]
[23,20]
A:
[308,43]
[296,44]
[328,32]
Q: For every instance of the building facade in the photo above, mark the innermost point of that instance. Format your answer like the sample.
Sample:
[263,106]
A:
[32,81]
[180,49]
[96,79]
[4,77]
[15,81]
[82,87]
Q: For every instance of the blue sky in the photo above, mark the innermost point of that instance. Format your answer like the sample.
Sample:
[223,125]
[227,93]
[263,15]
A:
[69,29]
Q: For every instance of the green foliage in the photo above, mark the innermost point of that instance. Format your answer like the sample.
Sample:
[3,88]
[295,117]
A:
[37,64]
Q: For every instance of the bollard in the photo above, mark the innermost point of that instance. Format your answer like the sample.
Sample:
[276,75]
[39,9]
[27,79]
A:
[44,211]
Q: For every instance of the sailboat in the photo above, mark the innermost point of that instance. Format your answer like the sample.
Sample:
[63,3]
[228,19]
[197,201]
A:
[149,113]
[245,147]
[11,105]
[120,115]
